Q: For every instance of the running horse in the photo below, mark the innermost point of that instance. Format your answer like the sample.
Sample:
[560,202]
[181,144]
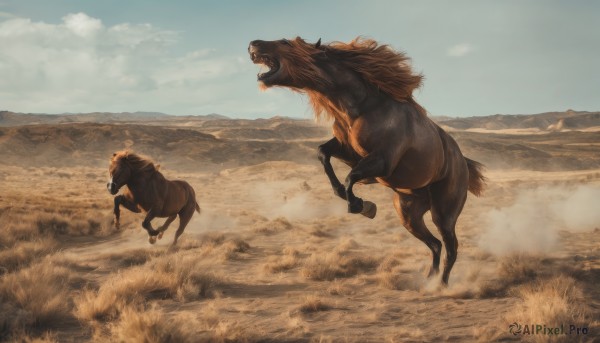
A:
[379,130]
[149,191]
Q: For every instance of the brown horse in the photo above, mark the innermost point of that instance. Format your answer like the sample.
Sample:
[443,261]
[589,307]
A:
[379,131]
[149,191]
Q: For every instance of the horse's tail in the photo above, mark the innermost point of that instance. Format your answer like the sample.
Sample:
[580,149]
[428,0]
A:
[192,197]
[476,178]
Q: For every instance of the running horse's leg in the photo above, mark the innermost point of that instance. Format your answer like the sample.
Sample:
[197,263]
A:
[165,226]
[146,224]
[372,165]
[334,148]
[184,218]
[127,203]
[411,208]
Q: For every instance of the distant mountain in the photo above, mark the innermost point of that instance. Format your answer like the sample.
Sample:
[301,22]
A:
[549,121]
[543,121]
[212,145]
[8,118]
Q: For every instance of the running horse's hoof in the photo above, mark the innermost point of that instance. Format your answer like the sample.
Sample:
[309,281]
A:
[369,209]
[152,239]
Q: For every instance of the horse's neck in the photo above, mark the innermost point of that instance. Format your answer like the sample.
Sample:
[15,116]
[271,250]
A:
[143,182]
[350,95]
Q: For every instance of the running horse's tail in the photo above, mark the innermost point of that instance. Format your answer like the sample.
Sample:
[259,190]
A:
[192,197]
[476,178]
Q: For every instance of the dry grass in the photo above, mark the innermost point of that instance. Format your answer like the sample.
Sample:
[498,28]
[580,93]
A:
[337,288]
[170,276]
[406,334]
[151,326]
[73,225]
[552,302]
[35,297]
[342,262]
[513,270]
[392,275]
[127,290]
[277,264]
[232,249]
[133,257]
[22,337]
[272,227]
[313,304]
[217,244]
[22,254]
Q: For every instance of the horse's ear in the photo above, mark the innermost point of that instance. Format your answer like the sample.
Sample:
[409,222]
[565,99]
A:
[114,154]
[157,166]
[318,43]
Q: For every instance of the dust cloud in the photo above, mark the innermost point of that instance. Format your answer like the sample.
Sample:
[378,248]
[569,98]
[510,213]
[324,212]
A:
[533,222]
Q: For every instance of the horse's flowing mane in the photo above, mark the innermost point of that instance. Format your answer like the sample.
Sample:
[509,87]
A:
[378,64]
[135,161]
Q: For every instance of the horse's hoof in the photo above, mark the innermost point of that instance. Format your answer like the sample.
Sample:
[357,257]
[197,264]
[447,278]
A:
[160,235]
[369,209]
[433,272]
[152,239]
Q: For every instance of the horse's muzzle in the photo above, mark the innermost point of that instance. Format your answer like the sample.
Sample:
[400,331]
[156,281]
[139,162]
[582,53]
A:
[112,188]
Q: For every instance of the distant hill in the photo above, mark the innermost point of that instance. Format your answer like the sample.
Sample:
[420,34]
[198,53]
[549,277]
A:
[92,144]
[218,144]
[550,121]
[8,118]
[544,121]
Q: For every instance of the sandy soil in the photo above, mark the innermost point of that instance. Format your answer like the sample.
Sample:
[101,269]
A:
[275,257]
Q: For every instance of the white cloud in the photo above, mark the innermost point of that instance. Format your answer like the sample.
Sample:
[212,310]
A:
[460,50]
[80,65]
[82,25]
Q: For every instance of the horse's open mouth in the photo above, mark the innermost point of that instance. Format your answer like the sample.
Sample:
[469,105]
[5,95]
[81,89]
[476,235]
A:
[271,63]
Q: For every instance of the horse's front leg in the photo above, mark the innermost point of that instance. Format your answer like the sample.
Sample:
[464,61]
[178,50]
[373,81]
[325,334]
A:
[121,200]
[334,148]
[146,224]
[371,166]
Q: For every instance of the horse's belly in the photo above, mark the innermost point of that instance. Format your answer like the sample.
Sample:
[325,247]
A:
[409,177]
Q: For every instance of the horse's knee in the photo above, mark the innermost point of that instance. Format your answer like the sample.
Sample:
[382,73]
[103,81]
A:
[117,203]
[322,155]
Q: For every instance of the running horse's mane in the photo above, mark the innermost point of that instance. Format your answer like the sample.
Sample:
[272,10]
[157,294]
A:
[378,64]
[135,161]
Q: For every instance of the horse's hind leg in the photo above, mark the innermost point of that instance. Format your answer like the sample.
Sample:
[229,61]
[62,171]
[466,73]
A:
[184,218]
[411,208]
[125,202]
[165,226]
[447,200]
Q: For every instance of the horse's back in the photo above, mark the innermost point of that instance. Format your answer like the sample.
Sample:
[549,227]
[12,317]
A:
[180,195]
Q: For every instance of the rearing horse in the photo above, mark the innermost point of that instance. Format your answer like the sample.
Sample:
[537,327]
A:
[379,131]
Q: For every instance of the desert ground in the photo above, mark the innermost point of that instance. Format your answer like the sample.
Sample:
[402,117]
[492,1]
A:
[273,256]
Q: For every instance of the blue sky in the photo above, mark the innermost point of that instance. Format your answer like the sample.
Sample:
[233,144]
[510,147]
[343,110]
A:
[189,57]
